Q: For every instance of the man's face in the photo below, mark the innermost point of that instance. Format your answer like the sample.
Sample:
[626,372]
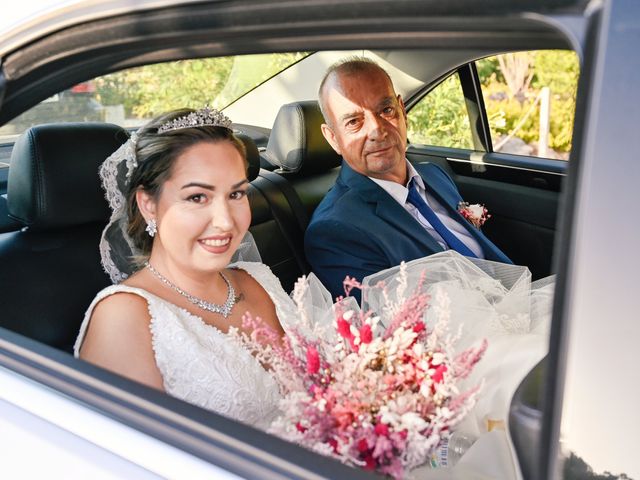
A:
[367,123]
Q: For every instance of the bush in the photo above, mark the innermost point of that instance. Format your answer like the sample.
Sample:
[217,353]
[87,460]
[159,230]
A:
[505,113]
[440,118]
[555,69]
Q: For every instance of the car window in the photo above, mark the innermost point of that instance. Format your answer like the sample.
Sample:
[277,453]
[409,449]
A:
[131,97]
[440,117]
[530,101]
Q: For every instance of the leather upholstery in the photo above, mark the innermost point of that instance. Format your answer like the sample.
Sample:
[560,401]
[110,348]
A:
[296,143]
[49,279]
[53,179]
[52,268]
[7,224]
[253,156]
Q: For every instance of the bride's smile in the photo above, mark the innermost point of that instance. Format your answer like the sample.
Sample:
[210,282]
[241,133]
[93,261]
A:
[219,244]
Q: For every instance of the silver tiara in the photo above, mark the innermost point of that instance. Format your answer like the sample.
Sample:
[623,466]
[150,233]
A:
[205,117]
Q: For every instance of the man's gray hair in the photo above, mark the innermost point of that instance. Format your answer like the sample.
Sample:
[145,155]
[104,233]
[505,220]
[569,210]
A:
[347,66]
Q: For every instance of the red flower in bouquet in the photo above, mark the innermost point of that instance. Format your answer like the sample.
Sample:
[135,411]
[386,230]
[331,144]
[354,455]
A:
[378,397]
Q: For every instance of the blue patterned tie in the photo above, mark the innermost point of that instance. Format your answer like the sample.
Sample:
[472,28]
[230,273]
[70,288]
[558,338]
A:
[447,235]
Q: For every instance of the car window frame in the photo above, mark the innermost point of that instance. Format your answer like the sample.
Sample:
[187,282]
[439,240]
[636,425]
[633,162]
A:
[481,131]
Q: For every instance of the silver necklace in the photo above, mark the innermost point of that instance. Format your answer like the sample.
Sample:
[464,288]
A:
[224,310]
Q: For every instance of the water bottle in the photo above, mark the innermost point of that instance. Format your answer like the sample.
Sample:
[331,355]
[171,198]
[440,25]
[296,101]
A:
[451,449]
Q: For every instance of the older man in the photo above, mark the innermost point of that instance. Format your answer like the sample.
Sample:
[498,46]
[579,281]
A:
[382,209]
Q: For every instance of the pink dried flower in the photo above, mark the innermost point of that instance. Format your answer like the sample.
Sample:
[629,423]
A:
[466,360]
[476,214]
[366,335]
[344,329]
[381,429]
[438,375]
[313,360]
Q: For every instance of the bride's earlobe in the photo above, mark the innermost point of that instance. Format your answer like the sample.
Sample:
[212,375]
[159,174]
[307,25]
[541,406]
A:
[146,205]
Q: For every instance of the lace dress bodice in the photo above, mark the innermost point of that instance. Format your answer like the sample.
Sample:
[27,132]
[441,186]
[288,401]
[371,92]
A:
[204,366]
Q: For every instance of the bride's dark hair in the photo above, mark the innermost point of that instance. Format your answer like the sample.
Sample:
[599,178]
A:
[156,153]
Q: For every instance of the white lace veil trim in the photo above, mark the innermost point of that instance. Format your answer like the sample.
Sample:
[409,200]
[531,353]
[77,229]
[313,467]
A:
[117,249]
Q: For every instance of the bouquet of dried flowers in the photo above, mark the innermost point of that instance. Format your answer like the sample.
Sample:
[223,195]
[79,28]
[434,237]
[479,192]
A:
[379,397]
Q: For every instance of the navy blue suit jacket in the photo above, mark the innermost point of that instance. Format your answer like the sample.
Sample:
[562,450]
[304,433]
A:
[359,229]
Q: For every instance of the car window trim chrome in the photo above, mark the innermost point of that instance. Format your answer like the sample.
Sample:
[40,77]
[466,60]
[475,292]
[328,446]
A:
[514,167]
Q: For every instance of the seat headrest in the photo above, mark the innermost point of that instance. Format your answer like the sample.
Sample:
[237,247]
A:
[296,143]
[253,155]
[53,176]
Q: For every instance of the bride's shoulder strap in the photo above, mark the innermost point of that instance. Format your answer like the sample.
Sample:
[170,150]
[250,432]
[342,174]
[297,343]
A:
[259,271]
[107,292]
[262,274]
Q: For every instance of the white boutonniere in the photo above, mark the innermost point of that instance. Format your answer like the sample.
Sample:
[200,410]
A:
[476,214]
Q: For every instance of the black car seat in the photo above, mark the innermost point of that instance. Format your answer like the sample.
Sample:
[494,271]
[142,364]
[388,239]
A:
[7,224]
[302,157]
[51,267]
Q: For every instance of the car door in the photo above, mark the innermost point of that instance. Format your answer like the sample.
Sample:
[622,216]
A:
[501,132]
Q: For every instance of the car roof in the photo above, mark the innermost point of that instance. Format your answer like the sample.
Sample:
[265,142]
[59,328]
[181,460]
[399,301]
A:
[28,20]
[69,45]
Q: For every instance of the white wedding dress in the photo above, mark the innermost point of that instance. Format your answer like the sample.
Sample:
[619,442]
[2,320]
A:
[203,366]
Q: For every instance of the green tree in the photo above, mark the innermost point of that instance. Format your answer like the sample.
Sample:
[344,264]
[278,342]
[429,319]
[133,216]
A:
[150,90]
[489,70]
[558,70]
[440,118]
[153,89]
[519,117]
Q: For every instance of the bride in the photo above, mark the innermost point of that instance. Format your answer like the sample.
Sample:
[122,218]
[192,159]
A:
[180,211]
[178,192]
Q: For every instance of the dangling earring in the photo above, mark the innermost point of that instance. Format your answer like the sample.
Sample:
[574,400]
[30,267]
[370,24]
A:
[152,227]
